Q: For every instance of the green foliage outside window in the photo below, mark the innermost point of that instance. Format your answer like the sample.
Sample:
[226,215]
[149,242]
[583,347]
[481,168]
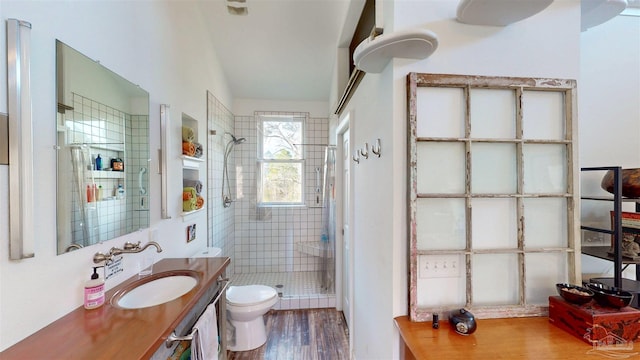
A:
[281,160]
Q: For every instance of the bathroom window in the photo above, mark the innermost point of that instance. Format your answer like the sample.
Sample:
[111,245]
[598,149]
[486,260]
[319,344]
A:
[492,207]
[281,158]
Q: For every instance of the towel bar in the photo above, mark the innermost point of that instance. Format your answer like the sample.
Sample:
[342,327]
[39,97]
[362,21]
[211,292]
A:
[173,337]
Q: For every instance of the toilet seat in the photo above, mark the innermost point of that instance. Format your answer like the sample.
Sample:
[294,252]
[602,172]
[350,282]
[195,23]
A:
[250,295]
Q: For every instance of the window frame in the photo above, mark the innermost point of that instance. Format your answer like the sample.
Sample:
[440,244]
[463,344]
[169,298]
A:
[572,250]
[262,117]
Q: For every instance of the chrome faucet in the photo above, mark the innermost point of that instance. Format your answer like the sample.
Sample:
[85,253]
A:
[128,248]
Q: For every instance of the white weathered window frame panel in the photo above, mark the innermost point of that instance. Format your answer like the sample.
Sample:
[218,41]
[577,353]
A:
[572,250]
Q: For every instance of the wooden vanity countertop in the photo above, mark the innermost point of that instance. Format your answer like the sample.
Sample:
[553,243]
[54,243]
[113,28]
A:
[515,338]
[109,332]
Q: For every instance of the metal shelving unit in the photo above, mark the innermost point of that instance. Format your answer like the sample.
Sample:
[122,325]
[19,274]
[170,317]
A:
[604,252]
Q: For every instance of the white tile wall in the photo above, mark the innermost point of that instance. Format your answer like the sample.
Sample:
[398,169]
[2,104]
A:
[266,237]
[220,219]
[103,128]
[261,242]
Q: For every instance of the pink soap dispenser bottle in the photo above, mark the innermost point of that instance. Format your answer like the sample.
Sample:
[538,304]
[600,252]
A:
[94,291]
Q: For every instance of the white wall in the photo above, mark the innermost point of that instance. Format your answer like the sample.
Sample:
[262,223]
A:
[546,45]
[169,58]
[160,45]
[609,112]
[244,107]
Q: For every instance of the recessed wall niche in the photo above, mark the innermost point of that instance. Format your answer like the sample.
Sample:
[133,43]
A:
[491,195]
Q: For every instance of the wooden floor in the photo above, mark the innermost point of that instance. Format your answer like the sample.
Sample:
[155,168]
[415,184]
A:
[309,334]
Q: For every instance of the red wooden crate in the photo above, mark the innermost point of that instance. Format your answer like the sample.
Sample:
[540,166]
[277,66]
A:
[595,320]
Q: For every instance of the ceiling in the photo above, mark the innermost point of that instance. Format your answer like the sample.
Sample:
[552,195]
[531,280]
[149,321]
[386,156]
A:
[284,49]
[280,50]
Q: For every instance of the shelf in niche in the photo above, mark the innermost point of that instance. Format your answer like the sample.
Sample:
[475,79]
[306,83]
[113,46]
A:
[190,162]
[99,174]
[108,146]
[188,214]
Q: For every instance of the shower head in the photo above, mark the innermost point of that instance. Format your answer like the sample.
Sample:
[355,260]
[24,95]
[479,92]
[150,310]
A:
[226,197]
[236,140]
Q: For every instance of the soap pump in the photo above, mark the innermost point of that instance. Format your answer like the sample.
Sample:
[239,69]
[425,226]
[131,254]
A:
[94,291]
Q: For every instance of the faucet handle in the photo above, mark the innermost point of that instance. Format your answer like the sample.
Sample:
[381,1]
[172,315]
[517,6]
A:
[100,257]
[131,246]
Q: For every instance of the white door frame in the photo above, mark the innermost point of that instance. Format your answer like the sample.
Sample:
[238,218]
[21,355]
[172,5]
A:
[343,126]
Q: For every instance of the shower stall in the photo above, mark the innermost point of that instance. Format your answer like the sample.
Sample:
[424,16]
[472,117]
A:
[85,221]
[287,247]
[327,273]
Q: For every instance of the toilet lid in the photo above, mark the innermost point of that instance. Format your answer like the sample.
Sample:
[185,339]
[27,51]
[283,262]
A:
[247,295]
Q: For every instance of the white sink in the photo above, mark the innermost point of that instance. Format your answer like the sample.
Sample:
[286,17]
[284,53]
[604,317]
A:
[155,289]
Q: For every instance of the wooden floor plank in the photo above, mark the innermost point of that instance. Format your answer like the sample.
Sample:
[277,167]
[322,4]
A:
[309,334]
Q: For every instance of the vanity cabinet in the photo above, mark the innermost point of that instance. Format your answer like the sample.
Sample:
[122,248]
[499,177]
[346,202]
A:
[614,251]
[110,332]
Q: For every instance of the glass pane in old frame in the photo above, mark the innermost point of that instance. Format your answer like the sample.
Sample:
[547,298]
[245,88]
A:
[433,275]
[495,279]
[493,113]
[440,224]
[486,235]
[543,272]
[440,112]
[543,115]
[441,167]
[545,168]
[493,168]
[545,221]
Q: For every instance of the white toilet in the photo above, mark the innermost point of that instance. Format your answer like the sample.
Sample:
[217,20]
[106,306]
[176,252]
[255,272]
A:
[246,306]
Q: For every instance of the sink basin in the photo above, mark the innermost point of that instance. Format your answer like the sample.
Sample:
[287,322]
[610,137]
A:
[155,289]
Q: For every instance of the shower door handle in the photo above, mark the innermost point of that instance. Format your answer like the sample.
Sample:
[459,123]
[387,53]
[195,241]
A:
[143,170]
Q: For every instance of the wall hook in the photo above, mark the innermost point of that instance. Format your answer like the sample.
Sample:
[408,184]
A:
[376,149]
[357,158]
[365,153]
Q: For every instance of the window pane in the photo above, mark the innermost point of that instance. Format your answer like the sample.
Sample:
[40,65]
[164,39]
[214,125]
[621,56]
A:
[545,221]
[441,167]
[441,112]
[494,168]
[486,235]
[456,285]
[495,279]
[440,224]
[543,271]
[493,113]
[281,182]
[278,139]
[545,168]
[543,115]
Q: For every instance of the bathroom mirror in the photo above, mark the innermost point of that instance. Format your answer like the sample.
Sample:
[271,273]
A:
[102,152]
